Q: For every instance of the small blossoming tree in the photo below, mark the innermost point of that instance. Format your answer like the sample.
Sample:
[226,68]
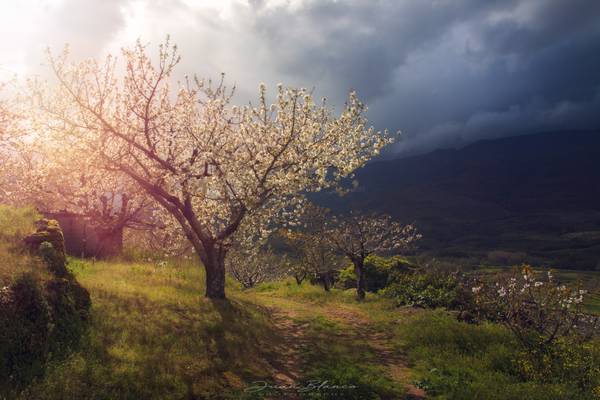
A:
[251,266]
[53,176]
[537,310]
[357,236]
[211,166]
[309,244]
[10,131]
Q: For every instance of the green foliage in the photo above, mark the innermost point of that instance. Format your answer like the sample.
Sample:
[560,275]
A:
[48,242]
[42,314]
[348,381]
[38,324]
[563,361]
[70,305]
[54,259]
[377,272]
[425,289]
[347,278]
[467,361]
[152,335]
[25,325]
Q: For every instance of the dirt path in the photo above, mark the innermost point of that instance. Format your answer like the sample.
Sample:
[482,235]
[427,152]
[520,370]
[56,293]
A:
[288,368]
[381,344]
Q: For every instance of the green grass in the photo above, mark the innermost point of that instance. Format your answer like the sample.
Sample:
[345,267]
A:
[153,335]
[455,360]
[14,225]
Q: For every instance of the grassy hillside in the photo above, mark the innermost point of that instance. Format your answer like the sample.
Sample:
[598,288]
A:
[153,336]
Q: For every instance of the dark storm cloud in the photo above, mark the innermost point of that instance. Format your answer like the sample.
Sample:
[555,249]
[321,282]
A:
[448,72]
[444,72]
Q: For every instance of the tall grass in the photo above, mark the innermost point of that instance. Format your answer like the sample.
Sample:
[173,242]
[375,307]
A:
[15,224]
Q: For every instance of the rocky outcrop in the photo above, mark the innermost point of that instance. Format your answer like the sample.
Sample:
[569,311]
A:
[40,319]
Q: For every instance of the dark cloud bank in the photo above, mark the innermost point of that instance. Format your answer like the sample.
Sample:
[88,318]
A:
[446,73]
[450,72]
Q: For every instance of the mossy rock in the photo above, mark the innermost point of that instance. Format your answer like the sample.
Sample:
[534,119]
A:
[55,260]
[70,307]
[48,241]
[38,323]
[48,230]
[25,326]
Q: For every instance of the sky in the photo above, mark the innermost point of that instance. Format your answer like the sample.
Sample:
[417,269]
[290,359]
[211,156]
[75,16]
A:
[444,73]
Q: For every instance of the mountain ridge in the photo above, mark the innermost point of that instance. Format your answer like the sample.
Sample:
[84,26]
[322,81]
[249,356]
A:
[519,194]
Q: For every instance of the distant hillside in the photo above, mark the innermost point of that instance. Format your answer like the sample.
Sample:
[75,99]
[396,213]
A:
[532,198]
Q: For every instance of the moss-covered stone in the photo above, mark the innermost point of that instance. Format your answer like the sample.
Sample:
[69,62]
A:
[25,326]
[70,306]
[49,232]
[54,260]
[40,321]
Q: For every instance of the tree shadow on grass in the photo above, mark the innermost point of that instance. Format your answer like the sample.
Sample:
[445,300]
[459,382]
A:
[139,348]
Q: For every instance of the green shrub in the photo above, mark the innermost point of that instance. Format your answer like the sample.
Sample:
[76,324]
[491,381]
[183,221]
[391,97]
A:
[485,361]
[42,315]
[55,260]
[377,272]
[425,289]
[70,305]
[25,325]
[565,361]
[467,361]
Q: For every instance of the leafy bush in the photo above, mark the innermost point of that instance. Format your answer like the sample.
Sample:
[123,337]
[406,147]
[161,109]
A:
[556,337]
[42,313]
[538,311]
[563,361]
[426,289]
[485,361]
[36,322]
[377,272]
[70,304]
[25,325]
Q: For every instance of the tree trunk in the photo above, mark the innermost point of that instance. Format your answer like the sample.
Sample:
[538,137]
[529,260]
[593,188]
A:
[324,278]
[359,271]
[299,278]
[214,265]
